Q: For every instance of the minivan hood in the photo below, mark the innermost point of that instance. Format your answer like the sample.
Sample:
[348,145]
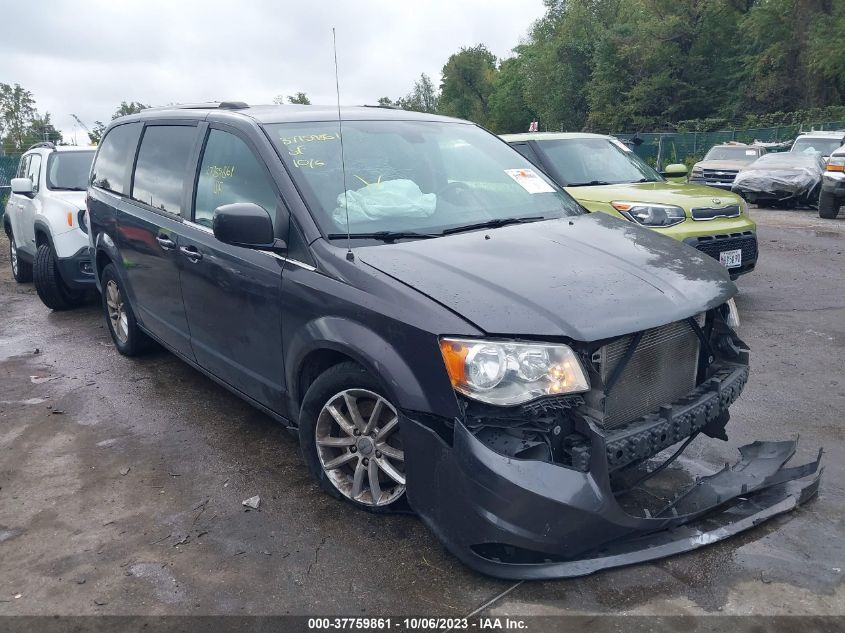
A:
[686,195]
[587,277]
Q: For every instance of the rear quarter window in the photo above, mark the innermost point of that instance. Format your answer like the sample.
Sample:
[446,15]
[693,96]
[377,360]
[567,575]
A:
[117,150]
[162,164]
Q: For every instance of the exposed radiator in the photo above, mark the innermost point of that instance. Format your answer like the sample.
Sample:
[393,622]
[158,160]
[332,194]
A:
[663,369]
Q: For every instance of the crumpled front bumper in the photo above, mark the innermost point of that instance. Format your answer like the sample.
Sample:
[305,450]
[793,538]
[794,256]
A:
[528,519]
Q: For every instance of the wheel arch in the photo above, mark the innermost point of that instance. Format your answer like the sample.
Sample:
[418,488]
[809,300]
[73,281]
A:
[105,253]
[327,341]
[43,233]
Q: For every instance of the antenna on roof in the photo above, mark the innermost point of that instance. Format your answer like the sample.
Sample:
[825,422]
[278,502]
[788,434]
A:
[349,254]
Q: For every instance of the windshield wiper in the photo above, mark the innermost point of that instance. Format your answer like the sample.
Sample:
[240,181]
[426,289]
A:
[69,189]
[592,183]
[492,224]
[385,236]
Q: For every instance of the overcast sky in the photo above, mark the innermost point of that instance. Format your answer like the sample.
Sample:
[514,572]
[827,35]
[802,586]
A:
[86,57]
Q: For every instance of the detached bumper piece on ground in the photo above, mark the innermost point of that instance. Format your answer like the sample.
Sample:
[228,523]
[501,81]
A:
[568,487]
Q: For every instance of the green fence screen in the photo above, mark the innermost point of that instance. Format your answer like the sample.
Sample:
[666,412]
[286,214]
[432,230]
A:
[689,147]
[8,167]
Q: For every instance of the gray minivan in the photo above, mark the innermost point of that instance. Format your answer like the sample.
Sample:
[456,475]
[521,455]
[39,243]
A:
[445,329]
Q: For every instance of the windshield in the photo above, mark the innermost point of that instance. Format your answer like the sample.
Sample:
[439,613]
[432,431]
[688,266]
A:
[824,146]
[736,154]
[595,161]
[68,171]
[423,177]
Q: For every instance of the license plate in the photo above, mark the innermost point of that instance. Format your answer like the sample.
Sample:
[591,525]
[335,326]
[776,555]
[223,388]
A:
[731,259]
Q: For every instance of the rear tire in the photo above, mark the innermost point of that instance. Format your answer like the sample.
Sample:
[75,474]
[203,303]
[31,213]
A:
[120,318]
[21,270]
[52,290]
[828,205]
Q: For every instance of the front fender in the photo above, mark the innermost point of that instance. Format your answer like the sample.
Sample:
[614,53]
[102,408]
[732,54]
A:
[43,226]
[408,388]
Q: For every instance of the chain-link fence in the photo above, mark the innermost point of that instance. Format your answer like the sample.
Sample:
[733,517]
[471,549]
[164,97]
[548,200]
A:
[8,167]
[661,149]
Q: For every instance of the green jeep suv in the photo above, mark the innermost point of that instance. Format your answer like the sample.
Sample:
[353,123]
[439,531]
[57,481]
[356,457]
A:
[605,175]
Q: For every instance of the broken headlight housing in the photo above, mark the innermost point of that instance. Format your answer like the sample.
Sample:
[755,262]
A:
[508,373]
[650,213]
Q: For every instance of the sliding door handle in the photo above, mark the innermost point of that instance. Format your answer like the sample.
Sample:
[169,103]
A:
[165,242]
[191,253]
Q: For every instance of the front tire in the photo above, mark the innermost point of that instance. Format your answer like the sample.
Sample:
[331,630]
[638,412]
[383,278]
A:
[828,205]
[52,290]
[21,270]
[125,333]
[349,435]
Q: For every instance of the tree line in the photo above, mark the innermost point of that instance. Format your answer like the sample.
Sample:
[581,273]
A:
[609,66]
[633,65]
[22,125]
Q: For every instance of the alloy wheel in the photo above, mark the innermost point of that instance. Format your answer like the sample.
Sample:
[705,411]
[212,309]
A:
[359,447]
[117,312]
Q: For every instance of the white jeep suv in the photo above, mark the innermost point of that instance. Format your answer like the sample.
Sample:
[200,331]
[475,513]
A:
[45,223]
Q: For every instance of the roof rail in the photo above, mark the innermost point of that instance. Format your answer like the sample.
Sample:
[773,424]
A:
[386,106]
[46,144]
[208,105]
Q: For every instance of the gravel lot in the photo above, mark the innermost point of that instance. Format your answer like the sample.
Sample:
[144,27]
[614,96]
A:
[121,480]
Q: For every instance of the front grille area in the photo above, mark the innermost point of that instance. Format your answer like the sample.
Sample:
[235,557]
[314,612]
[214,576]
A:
[661,370]
[719,175]
[730,211]
[713,245]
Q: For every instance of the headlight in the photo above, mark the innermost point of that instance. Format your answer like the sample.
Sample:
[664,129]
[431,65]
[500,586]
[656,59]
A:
[508,373]
[697,171]
[650,214]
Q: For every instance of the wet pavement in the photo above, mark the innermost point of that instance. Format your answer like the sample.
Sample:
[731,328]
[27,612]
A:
[121,480]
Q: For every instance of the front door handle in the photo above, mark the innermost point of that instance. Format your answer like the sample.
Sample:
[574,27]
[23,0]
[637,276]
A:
[165,242]
[191,253]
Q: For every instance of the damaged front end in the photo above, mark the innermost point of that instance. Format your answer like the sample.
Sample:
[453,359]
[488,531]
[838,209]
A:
[559,487]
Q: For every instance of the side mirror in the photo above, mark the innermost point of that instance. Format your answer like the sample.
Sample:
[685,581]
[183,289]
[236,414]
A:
[245,224]
[22,186]
[675,170]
